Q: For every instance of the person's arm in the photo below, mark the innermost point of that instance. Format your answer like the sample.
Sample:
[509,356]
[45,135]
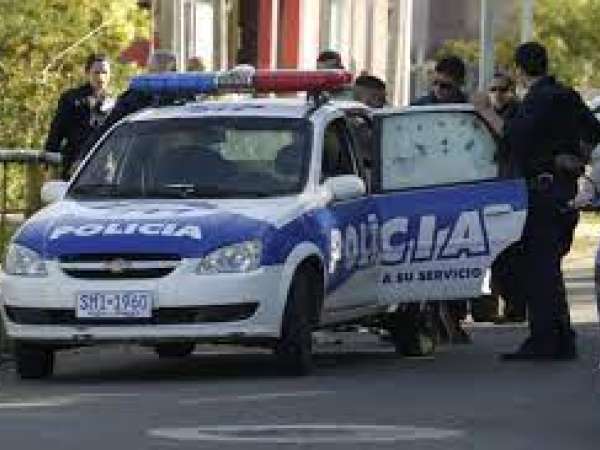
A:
[58,127]
[481,102]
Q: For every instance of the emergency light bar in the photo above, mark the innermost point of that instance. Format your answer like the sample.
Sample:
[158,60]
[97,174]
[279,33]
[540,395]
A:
[241,80]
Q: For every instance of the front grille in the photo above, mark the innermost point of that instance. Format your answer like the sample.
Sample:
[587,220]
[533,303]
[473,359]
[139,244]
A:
[118,266]
[160,316]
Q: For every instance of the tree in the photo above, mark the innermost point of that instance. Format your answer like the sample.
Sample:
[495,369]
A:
[568,29]
[33,69]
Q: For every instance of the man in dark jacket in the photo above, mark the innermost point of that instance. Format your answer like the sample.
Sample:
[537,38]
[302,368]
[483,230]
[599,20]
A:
[446,87]
[545,136]
[80,111]
[447,82]
[508,267]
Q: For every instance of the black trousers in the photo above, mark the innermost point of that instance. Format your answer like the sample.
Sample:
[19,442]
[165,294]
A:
[507,273]
[547,237]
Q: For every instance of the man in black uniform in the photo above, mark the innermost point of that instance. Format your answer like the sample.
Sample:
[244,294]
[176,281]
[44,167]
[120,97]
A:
[80,111]
[545,137]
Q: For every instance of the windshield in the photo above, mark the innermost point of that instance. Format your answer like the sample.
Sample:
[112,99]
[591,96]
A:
[242,157]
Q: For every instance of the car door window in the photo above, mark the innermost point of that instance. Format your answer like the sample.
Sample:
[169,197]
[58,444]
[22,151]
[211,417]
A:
[420,149]
[337,156]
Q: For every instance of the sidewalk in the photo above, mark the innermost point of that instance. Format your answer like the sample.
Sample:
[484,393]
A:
[585,244]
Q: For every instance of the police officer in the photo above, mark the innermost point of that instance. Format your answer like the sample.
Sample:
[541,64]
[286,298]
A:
[545,137]
[132,101]
[446,87]
[80,111]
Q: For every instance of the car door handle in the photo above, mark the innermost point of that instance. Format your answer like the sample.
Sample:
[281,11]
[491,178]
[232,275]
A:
[497,213]
[499,210]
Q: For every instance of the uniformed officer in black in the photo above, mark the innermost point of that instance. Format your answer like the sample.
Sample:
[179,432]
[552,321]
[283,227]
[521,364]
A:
[131,101]
[545,136]
[80,111]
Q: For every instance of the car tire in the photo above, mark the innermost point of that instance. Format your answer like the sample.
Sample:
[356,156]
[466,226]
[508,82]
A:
[33,362]
[294,348]
[174,350]
[485,309]
[412,332]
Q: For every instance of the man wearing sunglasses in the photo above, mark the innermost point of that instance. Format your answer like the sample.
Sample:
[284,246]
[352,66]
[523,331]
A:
[503,96]
[446,87]
[447,82]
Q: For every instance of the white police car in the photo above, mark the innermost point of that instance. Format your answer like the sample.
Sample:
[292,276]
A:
[250,221]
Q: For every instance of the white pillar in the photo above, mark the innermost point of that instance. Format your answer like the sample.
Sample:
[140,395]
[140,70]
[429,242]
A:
[359,36]
[309,34]
[401,91]
[179,33]
[379,38]
[527,10]
[486,59]
[274,33]
[220,57]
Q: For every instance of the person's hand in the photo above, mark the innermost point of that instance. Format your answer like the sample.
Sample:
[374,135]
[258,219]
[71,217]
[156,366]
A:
[481,101]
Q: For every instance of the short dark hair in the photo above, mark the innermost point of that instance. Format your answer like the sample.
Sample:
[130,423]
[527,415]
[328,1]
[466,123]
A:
[532,58]
[370,81]
[452,66]
[327,55]
[94,58]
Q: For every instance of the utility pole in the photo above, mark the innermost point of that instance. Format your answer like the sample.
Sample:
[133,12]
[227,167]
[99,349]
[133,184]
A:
[527,9]
[486,58]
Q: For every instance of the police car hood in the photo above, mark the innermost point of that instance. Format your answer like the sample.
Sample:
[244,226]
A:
[187,228]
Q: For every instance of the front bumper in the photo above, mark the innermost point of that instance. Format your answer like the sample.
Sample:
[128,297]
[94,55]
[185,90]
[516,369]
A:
[259,292]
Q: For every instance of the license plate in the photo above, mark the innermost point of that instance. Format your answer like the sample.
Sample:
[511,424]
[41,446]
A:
[114,304]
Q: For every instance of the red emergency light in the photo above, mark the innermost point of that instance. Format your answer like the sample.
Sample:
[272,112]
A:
[243,80]
[300,80]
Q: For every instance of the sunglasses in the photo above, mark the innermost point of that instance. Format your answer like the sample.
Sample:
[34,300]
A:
[499,89]
[443,84]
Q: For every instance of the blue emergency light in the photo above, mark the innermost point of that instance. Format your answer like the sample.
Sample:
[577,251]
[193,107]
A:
[175,83]
[236,81]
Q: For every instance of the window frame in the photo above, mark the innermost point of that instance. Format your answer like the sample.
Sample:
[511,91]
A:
[377,141]
[345,134]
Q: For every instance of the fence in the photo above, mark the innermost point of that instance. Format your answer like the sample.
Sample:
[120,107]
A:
[22,173]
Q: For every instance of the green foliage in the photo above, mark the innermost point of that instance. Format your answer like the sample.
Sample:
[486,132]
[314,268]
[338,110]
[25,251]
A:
[32,34]
[568,29]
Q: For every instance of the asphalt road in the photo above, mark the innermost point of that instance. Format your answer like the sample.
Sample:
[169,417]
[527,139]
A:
[360,397]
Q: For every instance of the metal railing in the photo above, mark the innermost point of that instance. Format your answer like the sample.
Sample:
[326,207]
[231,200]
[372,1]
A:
[22,173]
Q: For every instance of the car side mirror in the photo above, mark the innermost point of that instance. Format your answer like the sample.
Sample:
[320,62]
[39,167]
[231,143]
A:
[345,187]
[53,191]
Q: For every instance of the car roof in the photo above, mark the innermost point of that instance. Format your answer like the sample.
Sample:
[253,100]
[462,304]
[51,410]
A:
[239,107]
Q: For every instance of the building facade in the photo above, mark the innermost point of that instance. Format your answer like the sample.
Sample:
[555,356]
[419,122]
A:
[371,35]
[382,37]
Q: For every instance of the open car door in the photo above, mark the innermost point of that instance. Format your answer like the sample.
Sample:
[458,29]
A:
[444,212]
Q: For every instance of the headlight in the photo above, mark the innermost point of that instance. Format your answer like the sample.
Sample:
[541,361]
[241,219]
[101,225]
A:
[24,261]
[237,258]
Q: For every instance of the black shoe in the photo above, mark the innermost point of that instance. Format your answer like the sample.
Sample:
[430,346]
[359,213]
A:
[561,352]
